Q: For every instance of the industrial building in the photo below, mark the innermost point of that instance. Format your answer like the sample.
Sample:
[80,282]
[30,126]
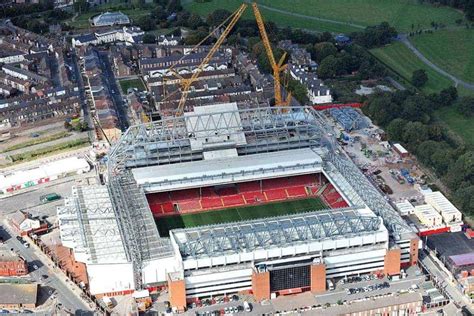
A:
[216,157]
[10,182]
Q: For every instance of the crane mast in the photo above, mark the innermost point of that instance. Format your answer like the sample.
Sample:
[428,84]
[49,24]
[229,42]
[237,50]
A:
[276,67]
[186,83]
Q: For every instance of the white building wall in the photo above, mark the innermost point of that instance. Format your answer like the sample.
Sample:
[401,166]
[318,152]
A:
[155,271]
[106,278]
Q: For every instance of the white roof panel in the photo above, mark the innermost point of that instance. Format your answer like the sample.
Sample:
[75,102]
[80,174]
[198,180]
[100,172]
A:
[222,171]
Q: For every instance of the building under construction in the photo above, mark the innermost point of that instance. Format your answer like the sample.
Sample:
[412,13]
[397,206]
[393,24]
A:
[218,158]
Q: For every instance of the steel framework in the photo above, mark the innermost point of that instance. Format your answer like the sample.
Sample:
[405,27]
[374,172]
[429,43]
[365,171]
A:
[369,194]
[137,226]
[88,224]
[233,238]
[169,140]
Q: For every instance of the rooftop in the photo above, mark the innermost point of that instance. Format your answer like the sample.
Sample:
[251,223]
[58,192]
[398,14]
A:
[283,231]
[18,293]
[227,169]
[110,18]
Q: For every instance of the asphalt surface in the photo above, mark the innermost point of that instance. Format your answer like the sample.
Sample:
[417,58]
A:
[113,89]
[77,75]
[68,299]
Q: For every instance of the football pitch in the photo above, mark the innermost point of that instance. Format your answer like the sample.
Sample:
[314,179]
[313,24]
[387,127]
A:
[165,224]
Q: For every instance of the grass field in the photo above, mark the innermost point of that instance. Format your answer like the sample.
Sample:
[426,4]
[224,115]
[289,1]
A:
[131,83]
[281,19]
[458,123]
[237,214]
[450,49]
[399,13]
[399,58]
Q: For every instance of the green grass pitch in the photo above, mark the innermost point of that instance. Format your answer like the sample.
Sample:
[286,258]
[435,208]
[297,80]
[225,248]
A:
[165,224]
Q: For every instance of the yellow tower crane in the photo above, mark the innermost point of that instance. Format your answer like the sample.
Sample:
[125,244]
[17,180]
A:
[276,67]
[187,82]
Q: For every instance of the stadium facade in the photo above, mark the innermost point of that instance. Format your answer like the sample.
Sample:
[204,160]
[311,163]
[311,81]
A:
[220,156]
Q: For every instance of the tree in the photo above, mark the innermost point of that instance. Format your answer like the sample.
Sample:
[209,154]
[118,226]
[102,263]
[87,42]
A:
[414,134]
[147,23]
[465,106]
[395,129]
[462,170]
[324,49]
[328,67]
[298,91]
[217,17]
[149,38]
[464,197]
[194,21]
[416,108]
[419,78]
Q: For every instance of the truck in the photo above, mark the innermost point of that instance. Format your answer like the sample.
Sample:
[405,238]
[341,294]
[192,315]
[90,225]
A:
[49,197]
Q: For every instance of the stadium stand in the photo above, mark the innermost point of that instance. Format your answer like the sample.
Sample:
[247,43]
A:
[255,192]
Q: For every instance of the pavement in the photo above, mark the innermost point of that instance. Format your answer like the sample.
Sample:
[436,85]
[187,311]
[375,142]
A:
[67,293]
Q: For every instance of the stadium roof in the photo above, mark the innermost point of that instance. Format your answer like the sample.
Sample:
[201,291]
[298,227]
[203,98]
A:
[89,226]
[177,139]
[276,232]
[229,169]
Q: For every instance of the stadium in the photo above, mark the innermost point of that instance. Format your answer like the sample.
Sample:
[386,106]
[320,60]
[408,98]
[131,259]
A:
[224,200]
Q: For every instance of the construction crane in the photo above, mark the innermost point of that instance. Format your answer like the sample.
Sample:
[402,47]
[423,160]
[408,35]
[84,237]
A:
[187,82]
[276,67]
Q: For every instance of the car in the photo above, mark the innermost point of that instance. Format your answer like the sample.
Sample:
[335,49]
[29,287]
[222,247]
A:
[234,298]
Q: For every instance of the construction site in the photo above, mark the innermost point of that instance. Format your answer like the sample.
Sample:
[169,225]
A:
[228,196]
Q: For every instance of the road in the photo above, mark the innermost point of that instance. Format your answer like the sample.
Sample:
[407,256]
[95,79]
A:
[82,92]
[404,39]
[65,295]
[113,89]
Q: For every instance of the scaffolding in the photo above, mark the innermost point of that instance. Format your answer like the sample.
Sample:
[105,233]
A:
[170,140]
[369,194]
[140,234]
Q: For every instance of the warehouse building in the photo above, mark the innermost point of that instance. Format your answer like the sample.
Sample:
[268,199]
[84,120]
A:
[10,182]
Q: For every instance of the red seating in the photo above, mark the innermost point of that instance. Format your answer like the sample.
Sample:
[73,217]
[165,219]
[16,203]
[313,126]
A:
[253,186]
[208,192]
[156,208]
[190,194]
[275,183]
[209,198]
[276,195]
[296,191]
[254,197]
[168,207]
[227,191]
[189,206]
[233,200]
[211,203]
